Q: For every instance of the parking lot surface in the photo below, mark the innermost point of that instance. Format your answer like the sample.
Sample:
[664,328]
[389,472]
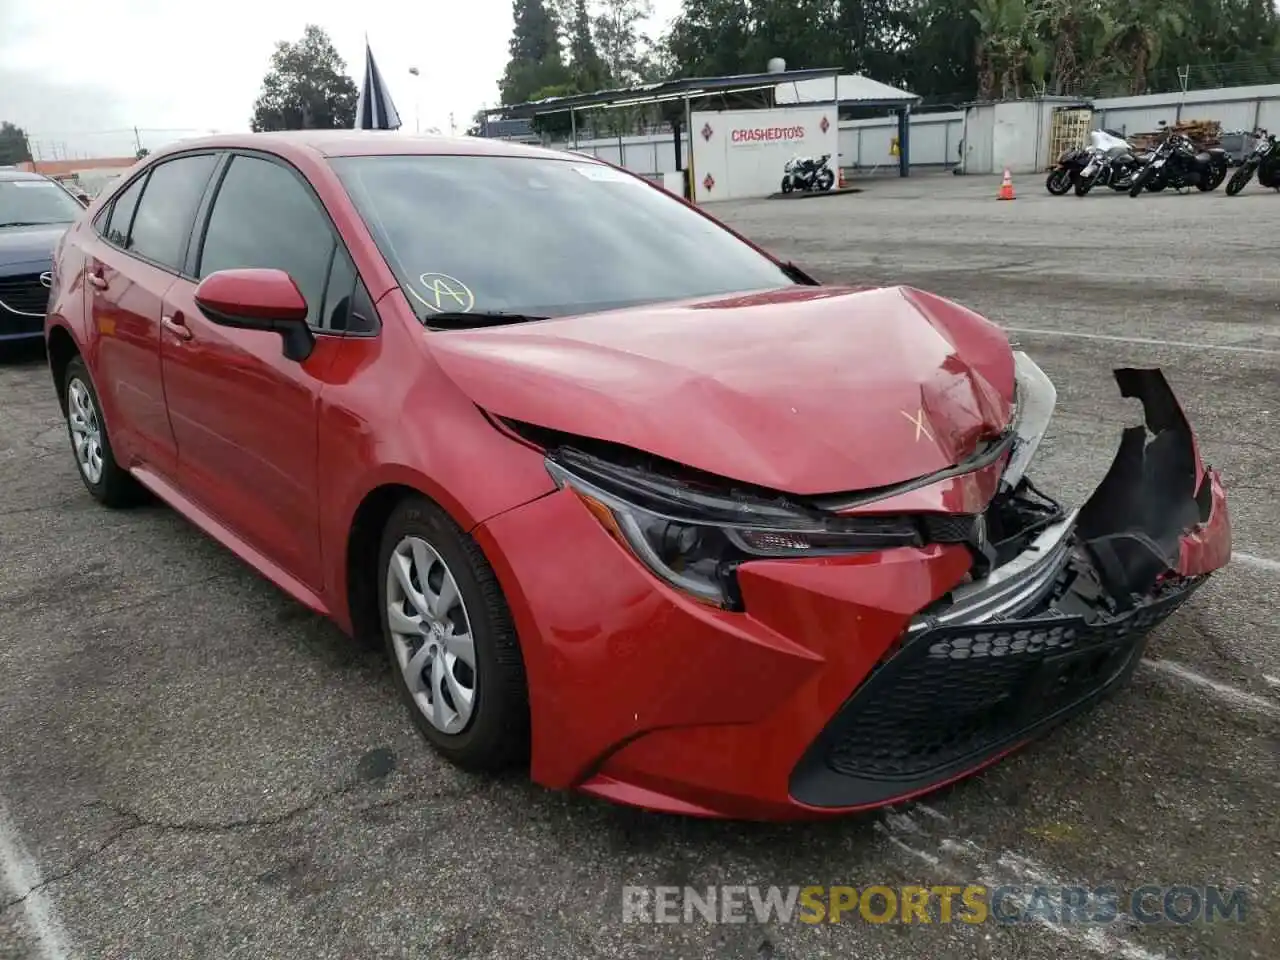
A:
[191,765]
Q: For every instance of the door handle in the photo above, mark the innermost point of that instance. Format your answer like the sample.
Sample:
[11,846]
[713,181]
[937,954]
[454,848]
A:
[97,280]
[175,326]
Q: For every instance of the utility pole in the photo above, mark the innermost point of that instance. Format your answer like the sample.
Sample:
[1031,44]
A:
[137,142]
[453,127]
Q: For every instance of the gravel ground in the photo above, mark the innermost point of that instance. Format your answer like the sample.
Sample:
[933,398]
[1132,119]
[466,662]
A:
[193,766]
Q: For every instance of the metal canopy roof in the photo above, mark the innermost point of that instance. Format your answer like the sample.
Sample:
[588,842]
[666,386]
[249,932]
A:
[667,90]
[853,89]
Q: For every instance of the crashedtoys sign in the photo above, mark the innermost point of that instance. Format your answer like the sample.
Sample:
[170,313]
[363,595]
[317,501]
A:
[741,153]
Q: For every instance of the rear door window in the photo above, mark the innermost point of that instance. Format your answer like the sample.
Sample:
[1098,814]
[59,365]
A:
[167,211]
[122,208]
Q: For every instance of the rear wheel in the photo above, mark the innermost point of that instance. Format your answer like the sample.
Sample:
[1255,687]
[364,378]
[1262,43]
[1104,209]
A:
[107,482]
[451,640]
[1058,182]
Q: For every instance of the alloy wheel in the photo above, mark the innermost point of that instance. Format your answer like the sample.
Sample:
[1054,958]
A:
[86,430]
[431,635]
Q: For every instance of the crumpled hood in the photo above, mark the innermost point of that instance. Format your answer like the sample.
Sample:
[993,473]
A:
[28,245]
[807,390]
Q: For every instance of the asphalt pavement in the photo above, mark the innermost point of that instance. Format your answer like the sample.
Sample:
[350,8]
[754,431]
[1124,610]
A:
[191,765]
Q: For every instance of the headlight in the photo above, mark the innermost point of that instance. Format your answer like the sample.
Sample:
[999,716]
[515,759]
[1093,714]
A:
[695,538]
[1037,398]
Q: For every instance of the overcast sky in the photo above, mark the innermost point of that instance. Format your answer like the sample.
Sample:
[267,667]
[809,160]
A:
[80,80]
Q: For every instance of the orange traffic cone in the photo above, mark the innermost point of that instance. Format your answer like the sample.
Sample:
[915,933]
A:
[841,183]
[1006,187]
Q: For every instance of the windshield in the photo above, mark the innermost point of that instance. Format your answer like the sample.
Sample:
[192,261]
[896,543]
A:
[542,237]
[24,202]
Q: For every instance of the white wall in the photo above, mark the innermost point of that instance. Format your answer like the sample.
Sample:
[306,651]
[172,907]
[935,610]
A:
[743,151]
[865,144]
[935,137]
[1236,108]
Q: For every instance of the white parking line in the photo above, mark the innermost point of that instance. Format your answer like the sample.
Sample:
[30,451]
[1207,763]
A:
[1000,870]
[1262,563]
[22,876]
[1145,341]
[1229,695]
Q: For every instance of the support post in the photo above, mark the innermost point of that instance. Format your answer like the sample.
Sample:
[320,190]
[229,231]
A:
[690,190]
[904,142]
[573,125]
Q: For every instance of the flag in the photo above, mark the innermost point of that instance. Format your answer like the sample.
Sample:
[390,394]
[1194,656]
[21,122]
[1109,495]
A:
[374,109]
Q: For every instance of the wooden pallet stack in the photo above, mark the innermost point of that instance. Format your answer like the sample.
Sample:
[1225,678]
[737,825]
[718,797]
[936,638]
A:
[1203,133]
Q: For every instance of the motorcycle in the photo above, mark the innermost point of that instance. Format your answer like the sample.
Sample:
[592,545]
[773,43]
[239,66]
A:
[1062,177]
[1179,164]
[1113,163]
[806,173]
[1263,159]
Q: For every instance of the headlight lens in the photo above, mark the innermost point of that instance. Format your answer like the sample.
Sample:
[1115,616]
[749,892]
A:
[698,555]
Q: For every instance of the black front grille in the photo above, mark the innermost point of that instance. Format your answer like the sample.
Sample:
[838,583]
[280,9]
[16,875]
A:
[954,696]
[24,294]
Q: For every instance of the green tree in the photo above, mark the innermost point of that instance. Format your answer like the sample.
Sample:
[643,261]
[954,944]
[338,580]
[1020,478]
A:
[588,68]
[14,148]
[709,38]
[622,46]
[536,61]
[306,87]
[956,50]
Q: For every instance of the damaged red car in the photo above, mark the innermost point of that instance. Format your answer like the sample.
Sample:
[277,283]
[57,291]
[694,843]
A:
[623,496]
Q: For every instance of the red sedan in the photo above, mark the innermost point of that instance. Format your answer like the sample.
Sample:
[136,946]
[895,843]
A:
[623,495]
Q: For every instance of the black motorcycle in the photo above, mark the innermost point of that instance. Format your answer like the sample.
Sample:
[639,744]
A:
[806,173]
[1115,169]
[1177,163]
[1263,159]
[1063,177]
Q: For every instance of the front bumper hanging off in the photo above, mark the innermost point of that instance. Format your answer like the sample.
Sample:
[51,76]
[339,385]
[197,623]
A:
[1000,661]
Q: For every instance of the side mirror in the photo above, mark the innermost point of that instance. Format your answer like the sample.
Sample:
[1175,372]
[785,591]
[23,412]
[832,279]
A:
[258,299]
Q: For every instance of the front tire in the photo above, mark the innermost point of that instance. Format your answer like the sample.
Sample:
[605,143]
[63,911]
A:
[1239,180]
[107,482]
[1140,182]
[1083,185]
[786,185]
[826,180]
[451,640]
[1058,182]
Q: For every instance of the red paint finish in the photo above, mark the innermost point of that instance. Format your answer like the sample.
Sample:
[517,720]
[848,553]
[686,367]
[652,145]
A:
[1207,547]
[638,692]
[873,387]
[257,294]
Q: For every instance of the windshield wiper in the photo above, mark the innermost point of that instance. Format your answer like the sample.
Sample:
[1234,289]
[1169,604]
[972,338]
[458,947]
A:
[30,223]
[459,320]
[799,276]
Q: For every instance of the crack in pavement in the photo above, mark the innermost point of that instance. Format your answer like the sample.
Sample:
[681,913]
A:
[136,821]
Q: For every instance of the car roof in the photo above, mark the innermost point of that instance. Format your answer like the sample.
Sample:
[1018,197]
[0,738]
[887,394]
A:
[365,143]
[6,174]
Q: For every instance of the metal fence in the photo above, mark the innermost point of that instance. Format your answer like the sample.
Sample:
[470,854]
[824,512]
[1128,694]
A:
[866,145]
